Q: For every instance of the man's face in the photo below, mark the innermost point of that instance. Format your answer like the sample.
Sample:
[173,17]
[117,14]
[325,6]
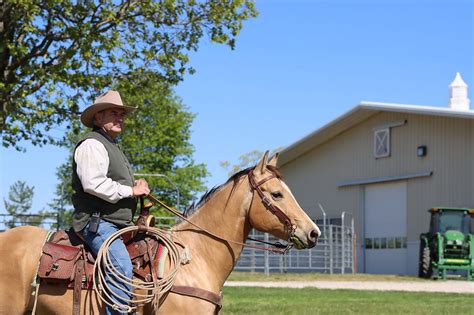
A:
[111,121]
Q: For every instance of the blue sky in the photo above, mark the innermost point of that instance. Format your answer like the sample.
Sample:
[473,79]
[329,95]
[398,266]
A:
[296,67]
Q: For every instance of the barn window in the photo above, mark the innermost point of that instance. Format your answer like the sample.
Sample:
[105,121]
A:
[333,221]
[382,143]
[385,242]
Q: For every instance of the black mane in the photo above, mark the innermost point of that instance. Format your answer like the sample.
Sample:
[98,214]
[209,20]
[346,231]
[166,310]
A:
[210,193]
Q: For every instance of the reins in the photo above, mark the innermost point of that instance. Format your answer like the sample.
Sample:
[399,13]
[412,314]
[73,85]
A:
[276,247]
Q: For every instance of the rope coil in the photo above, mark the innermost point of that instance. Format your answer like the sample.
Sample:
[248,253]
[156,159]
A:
[104,269]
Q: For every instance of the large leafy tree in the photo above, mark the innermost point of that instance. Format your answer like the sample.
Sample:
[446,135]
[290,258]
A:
[157,141]
[54,54]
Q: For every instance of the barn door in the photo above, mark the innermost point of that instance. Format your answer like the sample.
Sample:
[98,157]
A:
[386,228]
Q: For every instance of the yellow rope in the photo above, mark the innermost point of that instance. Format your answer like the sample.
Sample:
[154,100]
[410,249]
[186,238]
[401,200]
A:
[103,266]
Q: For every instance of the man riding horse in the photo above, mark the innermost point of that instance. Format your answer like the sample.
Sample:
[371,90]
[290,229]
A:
[209,242]
[104,189]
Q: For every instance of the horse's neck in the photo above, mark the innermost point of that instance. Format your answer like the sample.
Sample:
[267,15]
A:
[224,215]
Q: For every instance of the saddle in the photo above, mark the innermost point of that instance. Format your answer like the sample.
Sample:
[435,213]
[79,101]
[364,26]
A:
[65,251]
[67,260]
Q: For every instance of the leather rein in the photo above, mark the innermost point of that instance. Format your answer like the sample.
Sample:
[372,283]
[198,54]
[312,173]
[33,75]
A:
[277,247]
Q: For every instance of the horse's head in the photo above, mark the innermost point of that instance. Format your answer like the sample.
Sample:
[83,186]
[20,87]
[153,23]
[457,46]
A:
[275,210]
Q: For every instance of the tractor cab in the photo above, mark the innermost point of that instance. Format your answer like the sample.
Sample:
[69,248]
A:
[449,244]
[452,219]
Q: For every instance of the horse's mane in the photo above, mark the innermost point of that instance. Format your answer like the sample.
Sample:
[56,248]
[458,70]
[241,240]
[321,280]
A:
[234,178]
[210,193]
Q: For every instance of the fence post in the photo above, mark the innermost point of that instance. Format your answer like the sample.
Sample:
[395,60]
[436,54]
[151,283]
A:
[267,266]
[325,249]
[331,250]
[281,263]
[343,256]
[343,236]
[354,249]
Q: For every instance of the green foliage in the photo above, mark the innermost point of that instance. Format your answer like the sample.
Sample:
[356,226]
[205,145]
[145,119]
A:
[156,141]
[55,54]
[61,204]
[246,160]
[20,198]
[18,205]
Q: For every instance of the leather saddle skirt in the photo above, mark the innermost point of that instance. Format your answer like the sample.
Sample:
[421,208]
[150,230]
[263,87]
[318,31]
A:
[65,250]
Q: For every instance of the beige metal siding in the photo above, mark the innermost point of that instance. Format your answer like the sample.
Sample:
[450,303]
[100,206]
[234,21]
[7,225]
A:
[315,176]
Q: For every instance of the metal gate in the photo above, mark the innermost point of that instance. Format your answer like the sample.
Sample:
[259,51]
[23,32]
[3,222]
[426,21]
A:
[335,253]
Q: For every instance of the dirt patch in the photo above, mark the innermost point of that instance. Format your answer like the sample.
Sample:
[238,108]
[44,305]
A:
[427,286]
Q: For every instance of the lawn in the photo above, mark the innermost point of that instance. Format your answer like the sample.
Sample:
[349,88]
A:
[251,300]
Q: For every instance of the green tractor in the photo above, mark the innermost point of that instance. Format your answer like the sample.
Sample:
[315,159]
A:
[449,245]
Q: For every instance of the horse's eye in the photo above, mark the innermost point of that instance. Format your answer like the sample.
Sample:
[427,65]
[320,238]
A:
[276,195]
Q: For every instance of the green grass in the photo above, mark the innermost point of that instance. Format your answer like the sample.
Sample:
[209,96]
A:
[252,300]
[255,276]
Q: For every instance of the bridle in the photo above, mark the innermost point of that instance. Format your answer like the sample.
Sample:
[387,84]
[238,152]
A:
[278,247]
[269,205]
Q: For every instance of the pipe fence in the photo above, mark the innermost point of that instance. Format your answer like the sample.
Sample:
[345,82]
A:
[334,253]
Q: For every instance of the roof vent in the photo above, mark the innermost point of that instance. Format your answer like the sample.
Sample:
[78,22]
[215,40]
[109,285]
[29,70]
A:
[458,94]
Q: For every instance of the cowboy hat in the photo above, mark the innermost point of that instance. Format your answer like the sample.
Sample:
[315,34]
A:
[110,99]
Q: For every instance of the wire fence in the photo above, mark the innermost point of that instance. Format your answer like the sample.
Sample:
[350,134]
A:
[50,221]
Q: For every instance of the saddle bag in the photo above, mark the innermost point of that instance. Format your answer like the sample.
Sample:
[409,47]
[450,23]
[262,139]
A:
[59,261]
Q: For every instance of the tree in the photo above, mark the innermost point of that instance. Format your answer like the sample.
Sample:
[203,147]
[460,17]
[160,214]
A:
[62,204]
[156,141]
[246,160]
[157,137]
[56,53]
[20,199]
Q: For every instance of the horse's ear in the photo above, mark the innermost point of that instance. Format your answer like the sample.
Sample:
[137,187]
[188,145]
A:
[274,159]
[260,168]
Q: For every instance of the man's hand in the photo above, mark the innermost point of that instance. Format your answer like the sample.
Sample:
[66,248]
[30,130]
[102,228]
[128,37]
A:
[141,188]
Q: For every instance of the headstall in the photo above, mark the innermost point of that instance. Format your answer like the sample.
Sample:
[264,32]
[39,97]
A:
[268,203]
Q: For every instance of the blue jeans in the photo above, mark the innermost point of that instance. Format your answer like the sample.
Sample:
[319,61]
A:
[118,255]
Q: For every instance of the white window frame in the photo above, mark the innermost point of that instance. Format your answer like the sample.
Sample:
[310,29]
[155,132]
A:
[382,134]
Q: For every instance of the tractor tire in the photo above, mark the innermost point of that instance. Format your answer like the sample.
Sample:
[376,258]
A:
[426,269]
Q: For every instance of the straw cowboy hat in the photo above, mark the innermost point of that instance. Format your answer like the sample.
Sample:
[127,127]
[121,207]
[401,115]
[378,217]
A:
[110,99]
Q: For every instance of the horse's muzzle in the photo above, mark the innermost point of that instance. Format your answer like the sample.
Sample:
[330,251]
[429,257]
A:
[308,240]
[313,238]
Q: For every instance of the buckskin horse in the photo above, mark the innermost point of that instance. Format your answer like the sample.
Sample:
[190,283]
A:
[254,198]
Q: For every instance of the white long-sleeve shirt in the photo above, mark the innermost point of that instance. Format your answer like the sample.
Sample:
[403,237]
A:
[92,162]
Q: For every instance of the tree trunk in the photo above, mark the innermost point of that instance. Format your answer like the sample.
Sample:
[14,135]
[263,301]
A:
[3,63]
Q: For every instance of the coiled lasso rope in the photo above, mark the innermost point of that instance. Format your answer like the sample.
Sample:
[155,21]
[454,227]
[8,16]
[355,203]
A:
[103,268]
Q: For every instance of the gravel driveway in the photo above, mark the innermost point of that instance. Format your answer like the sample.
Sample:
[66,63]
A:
[449,286]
